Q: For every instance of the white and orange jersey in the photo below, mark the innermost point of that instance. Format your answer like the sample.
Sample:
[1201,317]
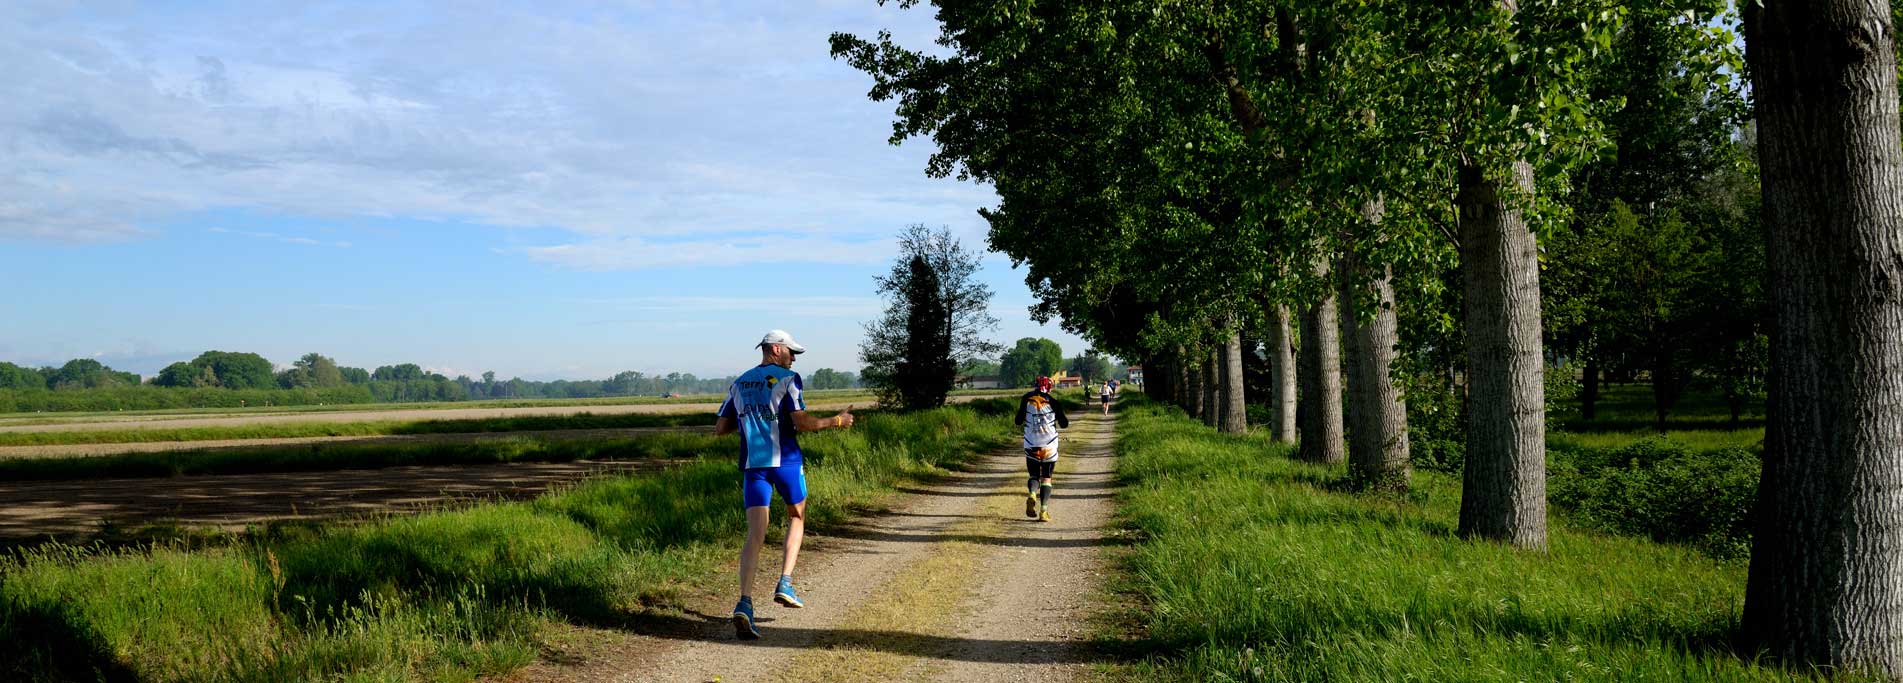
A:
[1041,417]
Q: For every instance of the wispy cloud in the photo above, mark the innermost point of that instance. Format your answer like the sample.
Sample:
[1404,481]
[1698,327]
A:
[805,306]
[634,252]
[287,239]
[628,130]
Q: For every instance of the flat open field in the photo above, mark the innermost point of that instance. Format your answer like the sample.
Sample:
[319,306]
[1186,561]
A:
[406,412]
[85,503]
[201,431]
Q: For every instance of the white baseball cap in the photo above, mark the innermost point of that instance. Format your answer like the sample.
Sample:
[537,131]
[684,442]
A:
[781,337]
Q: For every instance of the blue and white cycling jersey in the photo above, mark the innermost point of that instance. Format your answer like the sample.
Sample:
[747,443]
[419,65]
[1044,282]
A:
[763,401]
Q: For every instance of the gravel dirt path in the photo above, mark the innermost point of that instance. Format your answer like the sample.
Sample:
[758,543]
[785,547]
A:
[953,584]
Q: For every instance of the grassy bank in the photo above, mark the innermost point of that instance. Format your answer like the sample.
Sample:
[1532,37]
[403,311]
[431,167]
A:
[440,596]
[1250,566]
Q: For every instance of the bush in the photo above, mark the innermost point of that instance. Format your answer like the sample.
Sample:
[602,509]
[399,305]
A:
[1662,490]
[146,397]
[1437,434]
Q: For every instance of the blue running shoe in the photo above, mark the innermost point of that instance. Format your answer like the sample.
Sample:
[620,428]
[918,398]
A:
[785,595]
[743,620]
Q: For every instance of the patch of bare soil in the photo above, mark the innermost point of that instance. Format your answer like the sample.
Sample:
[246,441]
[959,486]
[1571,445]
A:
[77,508]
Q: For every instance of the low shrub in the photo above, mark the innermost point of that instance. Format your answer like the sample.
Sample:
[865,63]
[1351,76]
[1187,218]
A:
[1662,490]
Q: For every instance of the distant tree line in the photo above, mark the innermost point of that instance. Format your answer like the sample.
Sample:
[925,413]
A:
[233,379]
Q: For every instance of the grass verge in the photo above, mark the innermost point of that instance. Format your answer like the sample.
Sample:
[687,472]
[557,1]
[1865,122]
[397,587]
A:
[445,596]
[1250,566]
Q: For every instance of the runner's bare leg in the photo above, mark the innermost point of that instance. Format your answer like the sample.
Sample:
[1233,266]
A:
[795,532]
[750,552]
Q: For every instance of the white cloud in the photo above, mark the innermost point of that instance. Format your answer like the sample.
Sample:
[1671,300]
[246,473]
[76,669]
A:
[275,237]
[634,252]
[803,306]
[629,131]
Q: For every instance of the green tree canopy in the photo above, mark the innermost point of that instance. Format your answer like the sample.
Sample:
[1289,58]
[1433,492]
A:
[1092,366]
[1030,358]
[936,317]
[17,377]
[86,373]
[235,370]
[398,373]
[828,378]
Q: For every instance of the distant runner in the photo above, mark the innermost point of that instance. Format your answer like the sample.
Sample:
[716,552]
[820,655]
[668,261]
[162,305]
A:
[1041,418]
[765,406]
[1105,393]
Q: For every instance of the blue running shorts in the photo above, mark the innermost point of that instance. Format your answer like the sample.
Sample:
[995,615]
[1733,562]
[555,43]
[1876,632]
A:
[758,485]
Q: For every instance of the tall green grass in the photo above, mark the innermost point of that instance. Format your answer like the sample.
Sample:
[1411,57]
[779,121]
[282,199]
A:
[1250,566]
[442,596]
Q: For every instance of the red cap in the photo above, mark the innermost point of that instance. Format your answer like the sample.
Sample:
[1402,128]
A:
[1044,382]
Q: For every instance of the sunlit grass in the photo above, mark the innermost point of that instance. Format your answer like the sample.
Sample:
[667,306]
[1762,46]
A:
[447,595]
[1251,566]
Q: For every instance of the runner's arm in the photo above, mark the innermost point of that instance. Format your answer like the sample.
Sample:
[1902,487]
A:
[727,422]
[808,423]
[1062,422]
[1019,417]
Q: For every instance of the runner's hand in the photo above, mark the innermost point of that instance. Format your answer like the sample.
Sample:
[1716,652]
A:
[844,419]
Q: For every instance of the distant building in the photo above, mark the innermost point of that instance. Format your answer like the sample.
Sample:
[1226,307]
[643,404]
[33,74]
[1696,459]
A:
[1064,379]
[1136,374]
[978,382]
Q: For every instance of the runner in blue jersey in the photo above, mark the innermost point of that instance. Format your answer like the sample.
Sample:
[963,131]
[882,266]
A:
[764,405]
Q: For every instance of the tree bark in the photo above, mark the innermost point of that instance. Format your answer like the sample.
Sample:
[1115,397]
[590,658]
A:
[1321,424]
[1826,584]
[1235,405]
[1377,415]
[1281,350]
[1503,493]
[1212,384]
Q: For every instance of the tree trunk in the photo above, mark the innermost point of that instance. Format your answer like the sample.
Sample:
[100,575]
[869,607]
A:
[1179,367]
[1503,493]
[1193,389]
[1589,394]
[1221,406]
[1826,586]
[1212,384]
[1321,425]
[1377,415]
[1281,377]
[1235,406]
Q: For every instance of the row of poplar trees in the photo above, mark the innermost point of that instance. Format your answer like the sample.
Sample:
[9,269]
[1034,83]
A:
[1283,166]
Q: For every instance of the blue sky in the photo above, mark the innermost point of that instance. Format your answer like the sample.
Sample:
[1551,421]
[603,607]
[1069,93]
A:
[543,189]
